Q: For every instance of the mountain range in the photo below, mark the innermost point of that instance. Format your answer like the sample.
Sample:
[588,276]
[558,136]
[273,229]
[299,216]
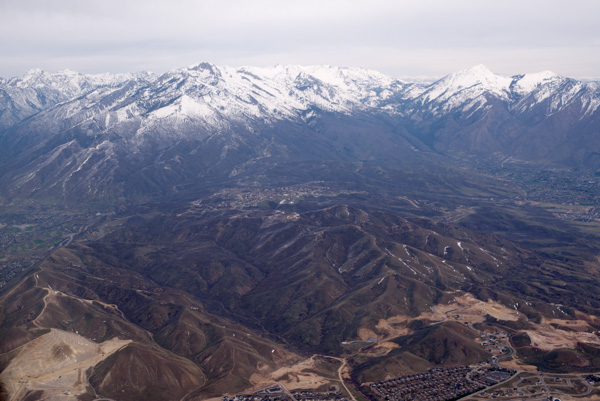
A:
[111,136]
[212,230]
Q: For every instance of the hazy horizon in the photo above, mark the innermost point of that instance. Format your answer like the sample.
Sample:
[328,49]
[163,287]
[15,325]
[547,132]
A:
[401,39]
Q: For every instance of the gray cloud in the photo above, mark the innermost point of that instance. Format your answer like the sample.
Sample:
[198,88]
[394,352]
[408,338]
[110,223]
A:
[429,37]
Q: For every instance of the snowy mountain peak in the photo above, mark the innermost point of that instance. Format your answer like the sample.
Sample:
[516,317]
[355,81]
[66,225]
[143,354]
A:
[201,67]
[266,93]
[33,72]
[477,70]
[68,80]
[528,82]
[68,71]
[467,86]
[478,75]
[31,77]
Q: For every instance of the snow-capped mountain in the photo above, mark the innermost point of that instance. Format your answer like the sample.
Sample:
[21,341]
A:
[61,132]
[471,90]
[218,95]
[21,97]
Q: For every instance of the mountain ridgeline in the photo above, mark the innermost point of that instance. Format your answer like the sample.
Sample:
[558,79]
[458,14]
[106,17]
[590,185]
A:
[133,136]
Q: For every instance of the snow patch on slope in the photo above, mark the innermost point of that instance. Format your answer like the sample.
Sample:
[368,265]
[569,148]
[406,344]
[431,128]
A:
[529,82]
[479,77]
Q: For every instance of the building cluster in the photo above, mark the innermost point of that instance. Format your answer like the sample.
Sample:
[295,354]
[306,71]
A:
[494,342]
[587,216]
[26,239]
[240,198]
[256,397]
[10,270]
[593,379]
[277,393]
[555,186]
[438,384]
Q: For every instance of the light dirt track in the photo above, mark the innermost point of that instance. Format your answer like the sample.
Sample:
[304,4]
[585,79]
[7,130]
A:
[298,376]
[471,310]
[549,339]
[468,309]
[52,293]
[56,364]
[301,375]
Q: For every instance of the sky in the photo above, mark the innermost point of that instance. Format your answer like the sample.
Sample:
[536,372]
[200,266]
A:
[417,38]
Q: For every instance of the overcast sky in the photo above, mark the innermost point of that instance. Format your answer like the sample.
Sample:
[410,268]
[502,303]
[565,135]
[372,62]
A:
[399,38]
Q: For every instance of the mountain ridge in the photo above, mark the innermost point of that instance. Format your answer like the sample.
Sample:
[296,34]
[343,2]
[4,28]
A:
[344,81]
[101,131]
